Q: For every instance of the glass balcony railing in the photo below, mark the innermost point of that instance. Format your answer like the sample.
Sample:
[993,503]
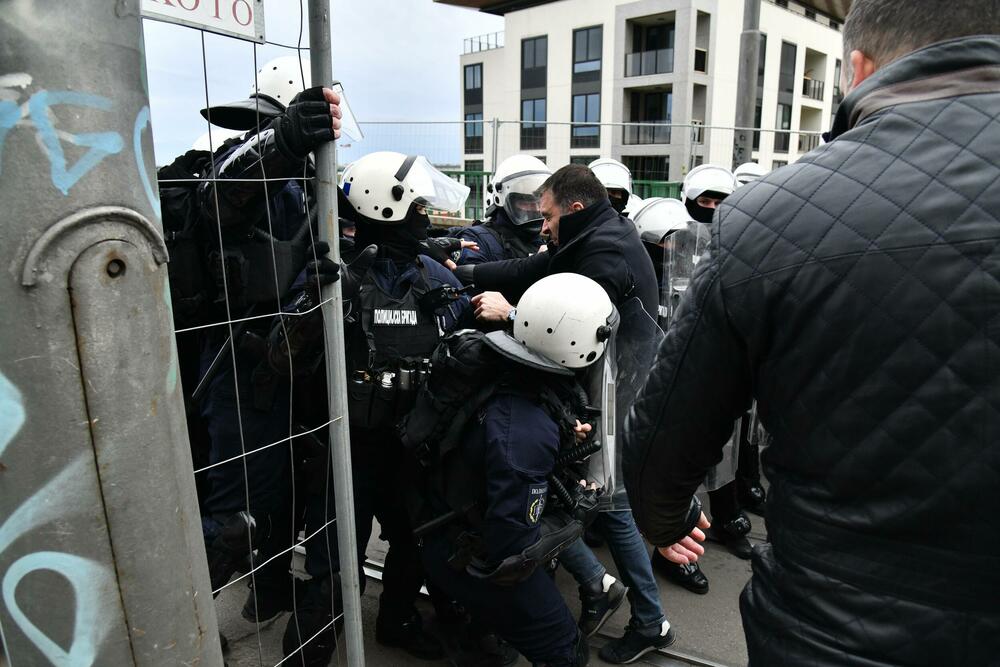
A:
[644,63]
[813,89]
[646,134]
[808,142]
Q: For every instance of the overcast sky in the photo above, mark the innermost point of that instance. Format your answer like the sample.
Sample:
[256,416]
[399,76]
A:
[398,60]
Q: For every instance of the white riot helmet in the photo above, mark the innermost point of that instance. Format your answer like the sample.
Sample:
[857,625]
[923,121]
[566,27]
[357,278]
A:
[382,187]
[513,187]
[659,217]
[563,323]
[707,180]
[748,172]
[277,83]
[632,206]
[614,176]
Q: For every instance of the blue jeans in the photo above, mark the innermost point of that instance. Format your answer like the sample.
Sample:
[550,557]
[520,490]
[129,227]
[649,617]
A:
[632,560]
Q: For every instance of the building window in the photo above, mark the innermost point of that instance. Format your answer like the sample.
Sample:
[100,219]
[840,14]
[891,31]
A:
[534,62]
[652,50]
[648,108]
[761,62]
[701,61]
[838,96]
[783,122]
[757,112]
[475,178]
[582,159]
[473,133]
[474,84]
[786,75]
[779,163]
[649,173]
[586,109]
[532,124]
[587,45]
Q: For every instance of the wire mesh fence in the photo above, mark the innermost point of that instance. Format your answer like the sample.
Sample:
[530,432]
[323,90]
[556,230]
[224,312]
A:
[259,423]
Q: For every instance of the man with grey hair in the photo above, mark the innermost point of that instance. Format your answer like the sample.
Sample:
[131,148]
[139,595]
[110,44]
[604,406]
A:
[855,295]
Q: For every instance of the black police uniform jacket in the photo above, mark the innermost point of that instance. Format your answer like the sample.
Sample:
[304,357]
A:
[856,296]
[596,242]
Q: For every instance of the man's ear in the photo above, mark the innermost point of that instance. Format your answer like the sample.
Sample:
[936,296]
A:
[862,66]
[576,206]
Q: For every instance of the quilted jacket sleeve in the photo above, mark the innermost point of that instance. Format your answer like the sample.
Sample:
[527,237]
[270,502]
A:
[675,431]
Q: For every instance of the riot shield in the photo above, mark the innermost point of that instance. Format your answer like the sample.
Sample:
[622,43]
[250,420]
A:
[681,253]
[613,385]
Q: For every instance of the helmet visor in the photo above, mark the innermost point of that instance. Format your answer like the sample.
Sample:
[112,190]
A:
[521,208]
[348,123]
[432,188]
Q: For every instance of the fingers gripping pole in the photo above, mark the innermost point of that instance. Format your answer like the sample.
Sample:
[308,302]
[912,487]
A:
[336,372]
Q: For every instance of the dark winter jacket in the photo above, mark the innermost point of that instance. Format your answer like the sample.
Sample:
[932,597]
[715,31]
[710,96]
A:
[856,295]
[596,242]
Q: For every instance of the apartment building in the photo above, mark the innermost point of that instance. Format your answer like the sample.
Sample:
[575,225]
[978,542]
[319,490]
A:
[671,65]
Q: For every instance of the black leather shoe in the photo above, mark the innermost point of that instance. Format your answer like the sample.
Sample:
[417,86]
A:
[752,499]
[686,576]
[733,534]
[410,636]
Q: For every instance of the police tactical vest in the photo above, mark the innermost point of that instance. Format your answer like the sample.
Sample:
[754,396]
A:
[397,329]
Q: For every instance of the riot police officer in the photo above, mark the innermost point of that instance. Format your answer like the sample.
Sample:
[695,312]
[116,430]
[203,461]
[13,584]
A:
[513,224]
[488,556]
[405,301]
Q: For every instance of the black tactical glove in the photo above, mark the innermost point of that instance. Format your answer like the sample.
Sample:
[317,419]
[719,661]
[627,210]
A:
[355,271]
[466,274]
[321,271]
[306,125]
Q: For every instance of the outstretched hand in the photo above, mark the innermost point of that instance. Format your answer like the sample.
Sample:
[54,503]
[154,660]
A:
[689,549]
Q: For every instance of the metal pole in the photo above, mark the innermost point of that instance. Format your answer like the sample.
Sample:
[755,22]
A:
[746,87]
[102,560]
[496,141]
[336,366]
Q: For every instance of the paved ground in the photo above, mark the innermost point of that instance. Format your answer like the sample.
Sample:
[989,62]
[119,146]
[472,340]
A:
[708,626]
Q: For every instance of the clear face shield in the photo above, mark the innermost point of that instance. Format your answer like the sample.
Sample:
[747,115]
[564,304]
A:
[520,202]
[348,123]
[613,382]
[431,188]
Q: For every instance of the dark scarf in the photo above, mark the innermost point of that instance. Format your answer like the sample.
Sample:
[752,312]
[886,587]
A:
[398,241]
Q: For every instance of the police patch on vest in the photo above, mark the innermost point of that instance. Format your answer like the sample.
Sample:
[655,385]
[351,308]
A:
[399,318]
[536,502]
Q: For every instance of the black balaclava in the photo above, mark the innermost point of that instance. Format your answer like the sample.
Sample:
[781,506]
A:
[398,241]
[618,203]
[700,213]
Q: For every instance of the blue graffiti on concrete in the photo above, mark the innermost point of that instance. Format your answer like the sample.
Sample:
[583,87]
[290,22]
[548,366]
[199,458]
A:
[101,144]
[11,412]
[91,583]
[141,121]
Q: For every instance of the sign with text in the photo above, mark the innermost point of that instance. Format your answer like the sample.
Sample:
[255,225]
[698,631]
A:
[237,18]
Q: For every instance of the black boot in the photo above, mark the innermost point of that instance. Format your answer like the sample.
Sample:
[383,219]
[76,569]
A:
[230,548]
[687,576]
[408,634]
[311,625]
[733,534]
[268,598]
[752,498]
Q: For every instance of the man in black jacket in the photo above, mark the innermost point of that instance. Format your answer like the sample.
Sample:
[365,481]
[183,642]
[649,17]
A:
[854,295]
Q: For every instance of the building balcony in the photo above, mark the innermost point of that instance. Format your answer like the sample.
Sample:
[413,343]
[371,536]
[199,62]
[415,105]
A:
[651,133]
[487,42]
[813,89]
[644,63]
[808,142]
